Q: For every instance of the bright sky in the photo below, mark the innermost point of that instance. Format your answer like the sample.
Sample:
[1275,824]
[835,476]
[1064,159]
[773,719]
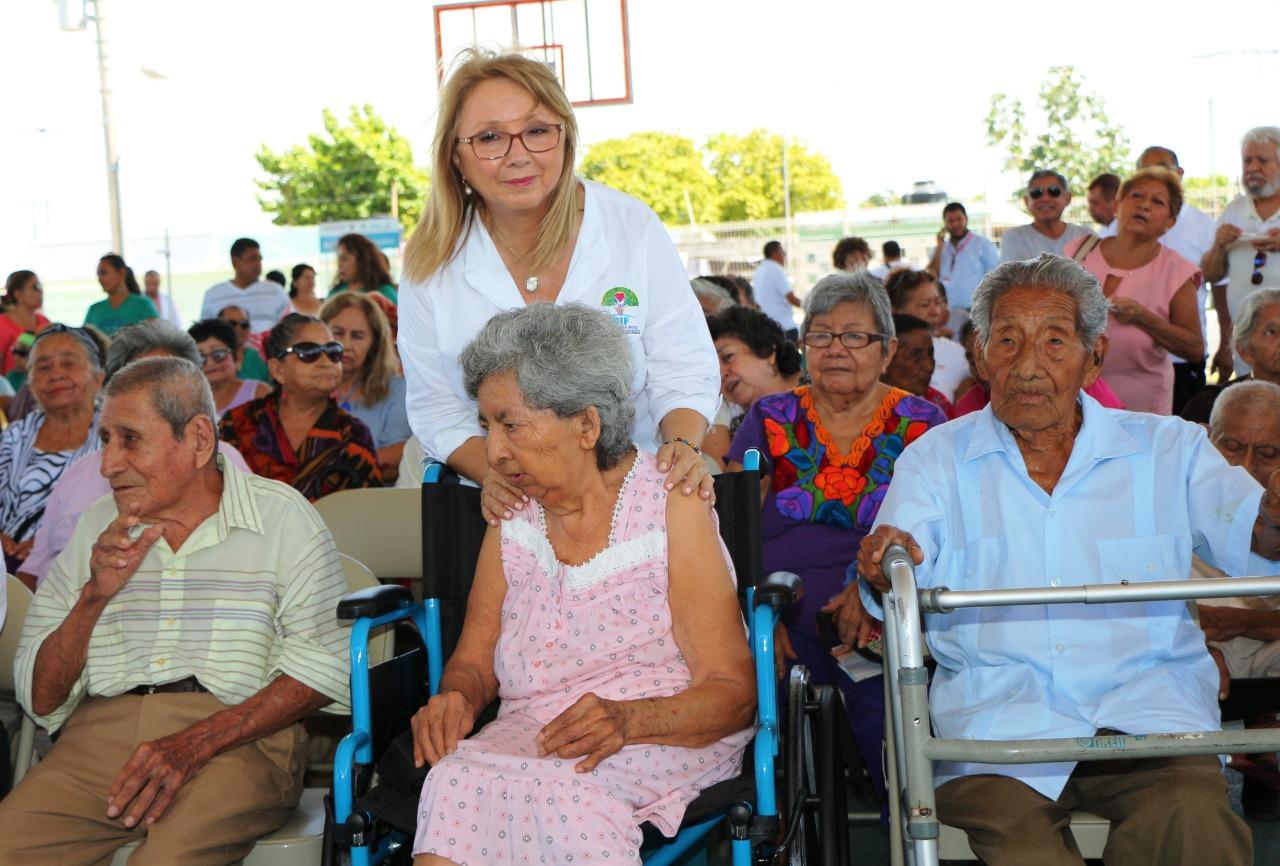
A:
[891,92]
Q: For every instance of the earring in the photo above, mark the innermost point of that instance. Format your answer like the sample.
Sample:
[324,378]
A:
[466,188]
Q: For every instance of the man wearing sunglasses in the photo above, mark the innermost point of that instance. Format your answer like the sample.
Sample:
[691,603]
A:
[1047,196]
[1246,248]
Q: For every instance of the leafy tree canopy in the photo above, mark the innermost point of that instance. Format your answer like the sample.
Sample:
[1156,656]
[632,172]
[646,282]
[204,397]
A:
[664,171]
[748,173]
[1075,136]
[346,173]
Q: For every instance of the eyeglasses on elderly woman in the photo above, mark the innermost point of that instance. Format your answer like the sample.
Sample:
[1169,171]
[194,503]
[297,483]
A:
[309,353]
[848,339]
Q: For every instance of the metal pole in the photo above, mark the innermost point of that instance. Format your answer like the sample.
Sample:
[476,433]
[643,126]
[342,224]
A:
[943,600]
[786,206]
[168,271]
[113,162]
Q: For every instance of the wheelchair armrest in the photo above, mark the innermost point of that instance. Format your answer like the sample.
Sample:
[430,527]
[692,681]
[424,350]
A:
[779,589]
[374,601]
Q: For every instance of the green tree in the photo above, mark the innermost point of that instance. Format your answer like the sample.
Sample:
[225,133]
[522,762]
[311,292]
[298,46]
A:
[748,176]
[664,171]
[1076,137]
[884,198]
[346,173]
[1203,184]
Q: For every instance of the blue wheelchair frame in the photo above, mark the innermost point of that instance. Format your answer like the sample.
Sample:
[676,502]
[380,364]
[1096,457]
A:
[355,749]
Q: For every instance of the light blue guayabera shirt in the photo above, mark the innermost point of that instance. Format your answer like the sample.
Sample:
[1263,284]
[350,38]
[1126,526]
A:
[1139,494]
[964,265]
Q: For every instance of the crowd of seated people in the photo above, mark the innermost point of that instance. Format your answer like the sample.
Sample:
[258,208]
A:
[556,355]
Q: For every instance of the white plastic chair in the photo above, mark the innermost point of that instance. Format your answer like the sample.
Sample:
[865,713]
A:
[18,599]
[381,527]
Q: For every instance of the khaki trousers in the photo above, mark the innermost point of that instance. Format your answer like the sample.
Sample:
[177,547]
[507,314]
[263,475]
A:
[1163,812]
[57,816]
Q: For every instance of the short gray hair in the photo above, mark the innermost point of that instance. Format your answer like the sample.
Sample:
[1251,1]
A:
[856,287]
[1046,172]
[717,294]
[179,391]
[1246,318]
[1262,135]
[1255,394]
[146,336]
[1050,272]
[566,358]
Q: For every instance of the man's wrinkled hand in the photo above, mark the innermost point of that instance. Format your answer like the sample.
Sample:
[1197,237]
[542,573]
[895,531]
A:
[149,781]
[872,551]
[116,555]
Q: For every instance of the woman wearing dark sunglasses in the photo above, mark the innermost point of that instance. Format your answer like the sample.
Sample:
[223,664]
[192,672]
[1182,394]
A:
[221,353]
[297,434]
[1047,196]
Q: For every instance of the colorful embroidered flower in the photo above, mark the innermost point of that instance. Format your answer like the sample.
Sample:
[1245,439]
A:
[779,442]
[840,482]
[796,503]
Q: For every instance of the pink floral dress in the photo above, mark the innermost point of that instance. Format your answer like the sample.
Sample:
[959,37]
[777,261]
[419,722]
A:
[601,627]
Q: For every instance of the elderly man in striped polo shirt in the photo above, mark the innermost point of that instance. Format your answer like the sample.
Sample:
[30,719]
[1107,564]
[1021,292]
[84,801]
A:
[175,645]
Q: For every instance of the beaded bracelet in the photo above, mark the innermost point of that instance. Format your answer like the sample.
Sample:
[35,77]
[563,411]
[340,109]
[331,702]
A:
[684,441]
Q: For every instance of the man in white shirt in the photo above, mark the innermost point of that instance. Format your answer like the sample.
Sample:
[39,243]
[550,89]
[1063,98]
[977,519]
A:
[960,261]
[1047,196]
[1191,237]
[1246,247]
[773,290]
[892,253]
[1102,202]
[163,300]
[264,301]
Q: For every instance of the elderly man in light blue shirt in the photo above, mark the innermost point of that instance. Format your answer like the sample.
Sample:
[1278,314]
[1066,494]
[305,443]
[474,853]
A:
[1045,487]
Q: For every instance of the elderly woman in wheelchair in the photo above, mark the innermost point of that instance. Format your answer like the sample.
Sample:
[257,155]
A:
[603,615]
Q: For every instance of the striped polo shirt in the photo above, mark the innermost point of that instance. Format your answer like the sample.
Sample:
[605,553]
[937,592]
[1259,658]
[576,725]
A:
[250,595]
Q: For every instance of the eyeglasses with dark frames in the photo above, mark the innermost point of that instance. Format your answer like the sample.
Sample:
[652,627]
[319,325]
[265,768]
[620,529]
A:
[848,339]
[494,144]
[309,353]
[217,356]
[1051,191]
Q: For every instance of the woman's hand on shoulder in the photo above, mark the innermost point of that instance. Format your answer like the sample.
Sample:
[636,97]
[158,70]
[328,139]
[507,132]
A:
[499,500]
[593,726]
[688,470]
[447,718]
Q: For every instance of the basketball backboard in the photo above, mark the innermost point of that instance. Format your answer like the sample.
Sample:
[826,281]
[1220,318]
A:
[585,41]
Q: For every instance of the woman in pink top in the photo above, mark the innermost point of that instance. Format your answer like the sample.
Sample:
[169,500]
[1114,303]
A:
[1152,291]
[20,306]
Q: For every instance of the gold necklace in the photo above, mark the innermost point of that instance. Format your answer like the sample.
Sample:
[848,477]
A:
[531,281]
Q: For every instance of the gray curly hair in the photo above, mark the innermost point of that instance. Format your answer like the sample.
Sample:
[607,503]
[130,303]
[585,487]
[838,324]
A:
[1049,272]
[566,358]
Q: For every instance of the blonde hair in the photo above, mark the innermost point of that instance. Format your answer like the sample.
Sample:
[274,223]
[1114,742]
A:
[448,211]
[380,365]
[1169,178]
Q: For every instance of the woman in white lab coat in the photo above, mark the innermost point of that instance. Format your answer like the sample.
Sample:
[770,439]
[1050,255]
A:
[508,223]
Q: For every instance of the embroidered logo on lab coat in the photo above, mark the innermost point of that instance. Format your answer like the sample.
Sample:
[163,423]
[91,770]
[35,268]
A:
[620,300]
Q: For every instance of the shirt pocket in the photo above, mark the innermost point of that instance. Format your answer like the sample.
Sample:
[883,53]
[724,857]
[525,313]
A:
[1145,559]
[984,565]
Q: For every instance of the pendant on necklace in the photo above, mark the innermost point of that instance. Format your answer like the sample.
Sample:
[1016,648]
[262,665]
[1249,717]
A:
[531,284]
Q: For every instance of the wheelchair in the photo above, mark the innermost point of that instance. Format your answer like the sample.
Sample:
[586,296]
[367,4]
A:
[913,748]
[787,806]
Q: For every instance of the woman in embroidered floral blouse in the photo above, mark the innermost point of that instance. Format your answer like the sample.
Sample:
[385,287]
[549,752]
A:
[829,450]
[297,434]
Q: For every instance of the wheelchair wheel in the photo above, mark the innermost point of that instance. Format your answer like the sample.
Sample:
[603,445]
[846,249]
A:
[799,776]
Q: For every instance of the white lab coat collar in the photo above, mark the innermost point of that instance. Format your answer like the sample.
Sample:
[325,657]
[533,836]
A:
[485,272]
